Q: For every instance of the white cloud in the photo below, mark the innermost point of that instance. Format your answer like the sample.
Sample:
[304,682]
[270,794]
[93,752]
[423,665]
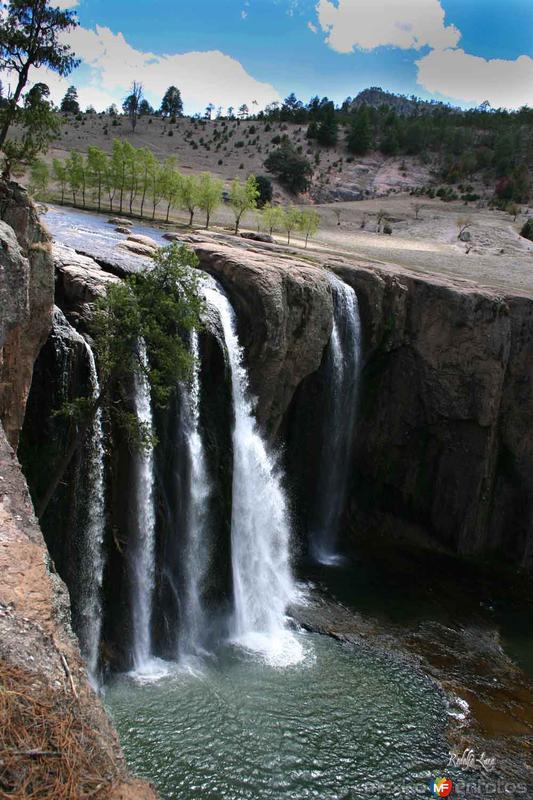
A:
[203,77]
[65,3]
[366,24]
[244,14]
[471,79]
[312,28]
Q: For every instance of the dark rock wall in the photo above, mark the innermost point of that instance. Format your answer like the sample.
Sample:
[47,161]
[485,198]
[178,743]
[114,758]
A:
[445,433]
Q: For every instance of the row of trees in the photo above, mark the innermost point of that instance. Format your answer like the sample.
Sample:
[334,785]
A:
[132,180]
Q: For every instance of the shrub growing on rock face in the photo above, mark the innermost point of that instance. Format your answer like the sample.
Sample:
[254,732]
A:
[527,230]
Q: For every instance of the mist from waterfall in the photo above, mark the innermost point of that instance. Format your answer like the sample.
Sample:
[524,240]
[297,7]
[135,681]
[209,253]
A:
[142,559]
[263,583]
[92,561]
[197,551]
[343,362]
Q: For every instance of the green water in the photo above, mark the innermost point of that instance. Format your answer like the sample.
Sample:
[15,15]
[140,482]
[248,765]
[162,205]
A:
[344,723]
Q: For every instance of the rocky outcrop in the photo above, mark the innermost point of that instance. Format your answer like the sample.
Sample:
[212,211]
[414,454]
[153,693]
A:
[26,301]
[284,309]
[80,281]
[446,411]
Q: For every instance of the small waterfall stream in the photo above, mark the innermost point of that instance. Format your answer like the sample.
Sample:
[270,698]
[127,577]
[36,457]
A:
[89,512]
[260,531]
[94,530]
[197,535]
[142,561]
[343,362]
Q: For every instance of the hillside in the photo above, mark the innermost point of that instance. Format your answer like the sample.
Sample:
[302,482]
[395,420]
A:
[230,148]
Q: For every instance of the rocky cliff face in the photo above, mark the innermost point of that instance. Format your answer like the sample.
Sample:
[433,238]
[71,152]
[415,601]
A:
[26,301]
[446,411]
[446,407]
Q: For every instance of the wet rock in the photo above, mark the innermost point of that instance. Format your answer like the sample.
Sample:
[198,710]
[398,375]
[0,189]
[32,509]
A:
[465,236]
[122,229]
[173,237]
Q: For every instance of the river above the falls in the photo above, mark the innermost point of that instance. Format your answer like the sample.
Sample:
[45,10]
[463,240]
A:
[345,722]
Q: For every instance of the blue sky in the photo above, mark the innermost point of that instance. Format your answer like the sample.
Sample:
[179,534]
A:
[233,51]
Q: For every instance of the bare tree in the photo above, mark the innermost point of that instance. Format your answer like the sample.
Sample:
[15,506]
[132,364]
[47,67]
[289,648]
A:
[381,218]
[463,223]
[132,103]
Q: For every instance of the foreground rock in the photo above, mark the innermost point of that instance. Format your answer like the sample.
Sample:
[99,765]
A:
[37,645]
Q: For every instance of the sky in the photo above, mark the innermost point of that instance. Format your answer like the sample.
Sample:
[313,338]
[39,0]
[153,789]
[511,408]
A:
[229,52]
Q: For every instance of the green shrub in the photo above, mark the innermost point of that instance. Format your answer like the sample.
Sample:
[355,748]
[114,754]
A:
[527,230]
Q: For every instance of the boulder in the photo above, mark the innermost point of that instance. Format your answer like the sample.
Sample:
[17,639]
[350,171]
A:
[120,221]
[465,236]
[138,248]
[147,241]
[79,280]
[122,229]
[257,237]
[171,236]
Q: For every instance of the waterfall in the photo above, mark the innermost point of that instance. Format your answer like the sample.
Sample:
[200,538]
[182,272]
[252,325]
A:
[263,584]
[343,360]
[90,510]
[142,561]
[92,561]
[197,533]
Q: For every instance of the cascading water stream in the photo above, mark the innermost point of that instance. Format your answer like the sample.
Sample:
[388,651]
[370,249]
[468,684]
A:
[90,506]
[90,589]
[143,553]
[343,361]
[197,535]
[260,532]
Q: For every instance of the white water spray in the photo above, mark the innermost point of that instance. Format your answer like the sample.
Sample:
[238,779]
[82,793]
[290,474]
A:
[143,552]
[197,545]
[260,532]
[92,571]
